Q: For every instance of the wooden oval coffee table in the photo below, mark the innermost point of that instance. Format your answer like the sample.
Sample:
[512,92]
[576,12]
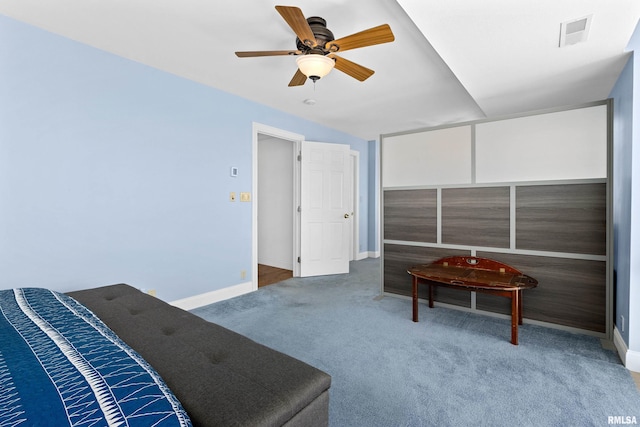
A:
[474,274]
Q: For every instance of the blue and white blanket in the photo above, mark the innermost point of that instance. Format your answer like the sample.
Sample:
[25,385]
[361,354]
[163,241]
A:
[60,365]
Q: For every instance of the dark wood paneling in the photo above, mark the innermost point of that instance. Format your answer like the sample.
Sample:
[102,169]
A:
[557,218]
[562,218]
[476,216]
[496,304]
[411,215]
[570,292]
[399,258]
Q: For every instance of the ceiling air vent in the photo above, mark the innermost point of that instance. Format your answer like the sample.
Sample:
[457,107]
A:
[574,31]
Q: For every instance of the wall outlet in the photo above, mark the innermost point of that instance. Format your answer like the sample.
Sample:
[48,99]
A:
[245,197]
[243,274]
[152,292]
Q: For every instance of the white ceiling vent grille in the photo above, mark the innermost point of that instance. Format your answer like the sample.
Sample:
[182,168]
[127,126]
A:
[575,31]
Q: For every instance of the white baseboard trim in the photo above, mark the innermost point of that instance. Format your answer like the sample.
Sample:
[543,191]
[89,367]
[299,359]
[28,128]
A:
[620,345]
[630,359]
[362,255]
[196,301]
[200,300]
[633,361]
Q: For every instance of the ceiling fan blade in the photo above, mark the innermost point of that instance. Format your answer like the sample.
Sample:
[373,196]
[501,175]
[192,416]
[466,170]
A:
[352,69]
[372,36]
[298,79]
[298,23]
[251,54]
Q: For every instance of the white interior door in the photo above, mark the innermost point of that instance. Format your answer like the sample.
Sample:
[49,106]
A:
[325,211]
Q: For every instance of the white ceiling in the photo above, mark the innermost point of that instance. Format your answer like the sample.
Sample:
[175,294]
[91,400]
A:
[451,61]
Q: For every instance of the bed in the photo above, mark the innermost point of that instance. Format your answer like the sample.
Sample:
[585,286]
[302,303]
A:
[116,356]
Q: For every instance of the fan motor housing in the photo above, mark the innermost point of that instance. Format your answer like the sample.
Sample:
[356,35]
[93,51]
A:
[320,31]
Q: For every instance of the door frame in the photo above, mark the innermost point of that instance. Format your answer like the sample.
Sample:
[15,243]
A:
[355,199]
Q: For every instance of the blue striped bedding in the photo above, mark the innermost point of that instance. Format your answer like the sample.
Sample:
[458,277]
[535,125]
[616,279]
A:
[60,365]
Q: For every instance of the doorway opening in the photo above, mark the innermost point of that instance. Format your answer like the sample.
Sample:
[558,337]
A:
[276,200]
[279,192]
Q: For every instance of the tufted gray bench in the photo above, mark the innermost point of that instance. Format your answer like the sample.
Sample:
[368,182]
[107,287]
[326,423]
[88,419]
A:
[221,378]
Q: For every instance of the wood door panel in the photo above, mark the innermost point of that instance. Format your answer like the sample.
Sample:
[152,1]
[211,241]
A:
[570,292]
[476,216]
[399,258]
[562,218]
[411,215]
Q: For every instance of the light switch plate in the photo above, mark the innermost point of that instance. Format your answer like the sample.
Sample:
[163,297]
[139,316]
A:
[245,197]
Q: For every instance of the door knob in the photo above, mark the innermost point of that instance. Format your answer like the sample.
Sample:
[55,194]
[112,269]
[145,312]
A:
[346,215]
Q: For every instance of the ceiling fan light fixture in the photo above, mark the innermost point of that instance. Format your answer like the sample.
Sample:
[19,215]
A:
[315,66]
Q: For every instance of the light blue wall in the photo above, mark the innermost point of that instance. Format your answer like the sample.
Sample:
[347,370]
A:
[111,171]
[634,289]
[626,203]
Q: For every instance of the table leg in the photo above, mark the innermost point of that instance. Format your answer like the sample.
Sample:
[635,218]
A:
[415,298]
[520,307]
[430,295]
[515,315]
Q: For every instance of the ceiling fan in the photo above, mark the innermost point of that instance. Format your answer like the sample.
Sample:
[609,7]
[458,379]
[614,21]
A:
[316,47]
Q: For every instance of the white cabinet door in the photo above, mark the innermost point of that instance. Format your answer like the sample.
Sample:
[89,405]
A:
[325,209]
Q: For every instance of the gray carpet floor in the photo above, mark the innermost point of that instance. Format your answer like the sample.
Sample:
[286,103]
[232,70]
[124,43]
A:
[453,368]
